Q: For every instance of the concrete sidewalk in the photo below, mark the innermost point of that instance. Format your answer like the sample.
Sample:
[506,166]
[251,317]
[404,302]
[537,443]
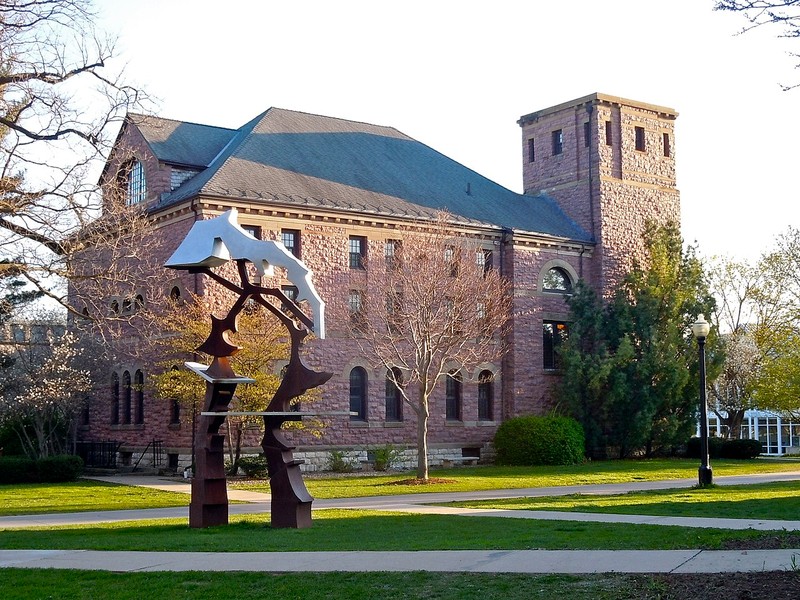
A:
[471,561]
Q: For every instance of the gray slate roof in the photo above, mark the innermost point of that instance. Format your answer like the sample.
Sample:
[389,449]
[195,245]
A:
[309,160]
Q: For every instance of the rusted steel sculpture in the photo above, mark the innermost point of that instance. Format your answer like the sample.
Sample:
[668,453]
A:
[209,244]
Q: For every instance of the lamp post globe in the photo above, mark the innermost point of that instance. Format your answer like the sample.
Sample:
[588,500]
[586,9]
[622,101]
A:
[700,329]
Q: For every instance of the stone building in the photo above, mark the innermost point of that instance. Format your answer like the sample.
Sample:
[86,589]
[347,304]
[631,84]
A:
[595,170]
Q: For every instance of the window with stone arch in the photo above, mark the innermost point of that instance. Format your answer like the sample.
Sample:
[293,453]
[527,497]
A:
[358,394]
[557,280]
[132,180]
[138,380]
[486,396]
[127,397]
[114,399]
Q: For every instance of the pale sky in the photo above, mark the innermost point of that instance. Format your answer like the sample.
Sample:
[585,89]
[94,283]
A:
[457,75]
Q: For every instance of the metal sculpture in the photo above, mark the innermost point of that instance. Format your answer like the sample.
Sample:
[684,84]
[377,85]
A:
[210,244]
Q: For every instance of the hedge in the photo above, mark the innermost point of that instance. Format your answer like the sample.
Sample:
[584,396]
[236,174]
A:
[720,448]
[535,440]
[54,469]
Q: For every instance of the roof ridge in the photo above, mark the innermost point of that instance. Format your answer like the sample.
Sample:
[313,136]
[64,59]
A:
[134,115]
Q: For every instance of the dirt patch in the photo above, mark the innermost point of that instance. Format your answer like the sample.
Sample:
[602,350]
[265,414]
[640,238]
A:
[415,481]
[767,542]
[772,585]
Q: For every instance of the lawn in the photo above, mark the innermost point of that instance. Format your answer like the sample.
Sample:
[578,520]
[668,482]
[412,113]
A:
[464,479]
[341,530]
[18,584]
[82,495]
[778,500]
[87,495]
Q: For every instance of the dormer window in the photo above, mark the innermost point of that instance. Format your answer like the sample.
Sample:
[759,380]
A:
[133,182]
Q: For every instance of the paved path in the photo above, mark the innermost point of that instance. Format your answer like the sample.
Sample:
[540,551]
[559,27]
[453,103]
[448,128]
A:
[493,561]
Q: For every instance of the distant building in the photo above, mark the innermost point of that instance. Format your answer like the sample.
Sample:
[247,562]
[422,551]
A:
[595,170]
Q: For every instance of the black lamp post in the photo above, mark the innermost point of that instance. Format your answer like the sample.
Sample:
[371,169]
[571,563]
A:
[700,330]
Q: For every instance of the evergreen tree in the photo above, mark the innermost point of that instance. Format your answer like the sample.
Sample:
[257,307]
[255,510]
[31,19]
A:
[630,366]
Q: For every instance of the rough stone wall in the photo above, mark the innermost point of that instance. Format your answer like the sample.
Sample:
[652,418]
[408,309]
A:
[611,190]
[529,390]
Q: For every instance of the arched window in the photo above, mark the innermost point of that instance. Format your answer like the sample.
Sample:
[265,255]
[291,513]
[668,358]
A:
[139,383]
[175,410]
[114,399]
[394,399]
[133,182]
[358,394]
[175,293]
[453,396]
[486,396]
[86,411]
[126,397]
[557,280]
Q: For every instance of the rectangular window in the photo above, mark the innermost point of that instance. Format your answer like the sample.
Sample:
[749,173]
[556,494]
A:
[394,400]
[291,239]
[390,253]
[290,291]
[558,142]
[609,134]
[453,397]
[358,251]
[554,334]
[451,259]
[253,230]
[587,134]
[355,303]
[639,138]
[531,150]
[667,149]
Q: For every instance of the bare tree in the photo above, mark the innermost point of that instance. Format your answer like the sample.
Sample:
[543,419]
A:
[436,310]
[60,103]
[733,390]
[781,13]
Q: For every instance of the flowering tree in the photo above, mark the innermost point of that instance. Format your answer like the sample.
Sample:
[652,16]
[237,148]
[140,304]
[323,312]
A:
[43,392]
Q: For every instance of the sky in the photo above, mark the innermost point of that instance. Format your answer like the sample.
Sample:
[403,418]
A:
[457,75]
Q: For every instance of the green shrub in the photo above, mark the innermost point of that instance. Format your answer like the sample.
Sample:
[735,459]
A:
[339,463]
[17,469]
[720,448]
[385,457]
[254,466]
[549,440]
[56,469]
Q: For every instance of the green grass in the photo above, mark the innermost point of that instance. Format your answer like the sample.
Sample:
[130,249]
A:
[465,479]
[83,495]
[87,495]
[17,584]
[341,530]
[778,500]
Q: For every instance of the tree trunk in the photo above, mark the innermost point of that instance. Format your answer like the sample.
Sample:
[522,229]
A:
[422,437]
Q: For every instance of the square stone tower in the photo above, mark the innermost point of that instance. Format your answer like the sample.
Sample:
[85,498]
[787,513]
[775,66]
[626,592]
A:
[609,163]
